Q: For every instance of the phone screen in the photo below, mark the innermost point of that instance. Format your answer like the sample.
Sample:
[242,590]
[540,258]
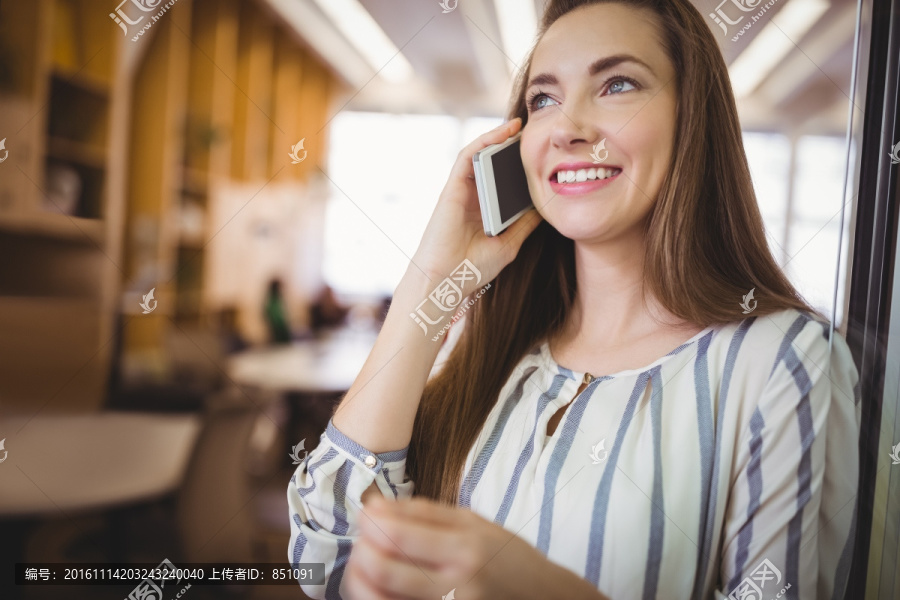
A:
[512,185]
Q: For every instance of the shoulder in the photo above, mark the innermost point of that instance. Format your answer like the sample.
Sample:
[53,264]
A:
[759,348]
[762,341]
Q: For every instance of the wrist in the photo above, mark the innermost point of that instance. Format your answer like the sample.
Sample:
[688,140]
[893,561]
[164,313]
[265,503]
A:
[412,308]
[415,283]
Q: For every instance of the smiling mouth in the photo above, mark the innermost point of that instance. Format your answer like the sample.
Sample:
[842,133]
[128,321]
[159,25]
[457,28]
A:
[579,175]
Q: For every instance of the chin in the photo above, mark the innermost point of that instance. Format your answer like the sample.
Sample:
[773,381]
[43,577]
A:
[577,227]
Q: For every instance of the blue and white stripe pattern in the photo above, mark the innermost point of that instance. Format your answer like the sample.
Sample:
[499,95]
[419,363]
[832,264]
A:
[711,481]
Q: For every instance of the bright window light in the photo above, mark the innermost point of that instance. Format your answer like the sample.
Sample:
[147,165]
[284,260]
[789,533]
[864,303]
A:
[475,126]
[769,156]
[815,228]
[390,170]
[518,28]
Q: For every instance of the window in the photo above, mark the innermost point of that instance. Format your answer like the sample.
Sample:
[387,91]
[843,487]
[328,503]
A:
[801,211]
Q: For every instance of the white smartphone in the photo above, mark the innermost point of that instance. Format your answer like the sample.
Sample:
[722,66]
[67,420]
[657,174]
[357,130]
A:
[502,186]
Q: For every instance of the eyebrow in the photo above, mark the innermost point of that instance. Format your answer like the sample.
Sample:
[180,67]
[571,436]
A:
[598,66]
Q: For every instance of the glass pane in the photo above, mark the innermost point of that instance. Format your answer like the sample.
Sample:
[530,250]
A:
[769,156]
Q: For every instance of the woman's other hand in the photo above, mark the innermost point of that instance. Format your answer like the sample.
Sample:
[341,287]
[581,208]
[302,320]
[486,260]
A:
[417,548]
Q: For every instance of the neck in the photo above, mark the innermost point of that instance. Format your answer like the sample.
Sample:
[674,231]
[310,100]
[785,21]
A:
[608,303]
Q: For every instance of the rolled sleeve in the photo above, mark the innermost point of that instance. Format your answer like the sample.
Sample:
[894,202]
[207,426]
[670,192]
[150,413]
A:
[324,501]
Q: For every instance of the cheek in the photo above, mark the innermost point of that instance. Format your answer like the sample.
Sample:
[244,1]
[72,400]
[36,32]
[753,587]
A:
[651,137]
[529,153]
[651,150]
[530,160]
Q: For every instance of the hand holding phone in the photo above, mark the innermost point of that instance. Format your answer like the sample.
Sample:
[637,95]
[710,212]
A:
[456,228]
[502,185]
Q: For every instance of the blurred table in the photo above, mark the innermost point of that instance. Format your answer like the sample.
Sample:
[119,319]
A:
[310,375]
[74,462]
[327,365]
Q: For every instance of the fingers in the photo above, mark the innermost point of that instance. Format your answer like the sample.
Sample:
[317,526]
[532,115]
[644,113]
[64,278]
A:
[416,508]
[386,576]
[526,224]
[519,231]
[357,587]
[463,168]
[416,541]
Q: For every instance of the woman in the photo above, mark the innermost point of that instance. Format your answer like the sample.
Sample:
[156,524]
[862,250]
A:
[619,417]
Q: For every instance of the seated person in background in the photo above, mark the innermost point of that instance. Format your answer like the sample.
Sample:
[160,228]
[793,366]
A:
[326,311]
[276,315]
[229,335]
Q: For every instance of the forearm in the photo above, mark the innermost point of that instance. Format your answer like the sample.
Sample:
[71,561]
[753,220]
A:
[576,587]
[379,409]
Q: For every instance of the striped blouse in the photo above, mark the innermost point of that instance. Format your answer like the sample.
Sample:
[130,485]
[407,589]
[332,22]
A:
[700,475]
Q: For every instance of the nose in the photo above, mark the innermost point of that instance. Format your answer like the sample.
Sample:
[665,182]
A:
[572,126]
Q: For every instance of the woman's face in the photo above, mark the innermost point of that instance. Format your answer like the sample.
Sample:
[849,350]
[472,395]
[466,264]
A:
[587,84]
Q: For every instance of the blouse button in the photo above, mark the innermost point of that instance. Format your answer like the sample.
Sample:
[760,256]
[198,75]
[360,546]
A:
[370,461]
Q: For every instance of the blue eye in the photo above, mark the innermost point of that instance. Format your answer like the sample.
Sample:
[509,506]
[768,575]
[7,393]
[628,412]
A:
[534,98]
[620,80]
[543,97]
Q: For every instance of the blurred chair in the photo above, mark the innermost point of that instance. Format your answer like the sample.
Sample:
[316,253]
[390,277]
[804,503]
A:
[196,357]
[195,369]
[215,515]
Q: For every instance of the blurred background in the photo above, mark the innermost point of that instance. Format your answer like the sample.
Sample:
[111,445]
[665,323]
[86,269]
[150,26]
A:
[205,206]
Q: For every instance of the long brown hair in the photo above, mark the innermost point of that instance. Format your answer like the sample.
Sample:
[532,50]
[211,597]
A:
[705,248]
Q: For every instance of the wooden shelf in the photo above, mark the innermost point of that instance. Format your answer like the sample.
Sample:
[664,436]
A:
[54,225]
[191,243]
[194,181]
[189,238]
[78,79]
[77,110]
[81,153]
[64,93]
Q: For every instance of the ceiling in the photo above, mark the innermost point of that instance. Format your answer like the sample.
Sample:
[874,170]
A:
[461,68]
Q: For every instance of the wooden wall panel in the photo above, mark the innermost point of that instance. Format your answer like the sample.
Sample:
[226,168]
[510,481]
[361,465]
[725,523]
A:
[253,102]
[154,156]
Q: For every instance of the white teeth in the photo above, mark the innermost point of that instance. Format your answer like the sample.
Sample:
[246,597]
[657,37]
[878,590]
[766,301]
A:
[584,175]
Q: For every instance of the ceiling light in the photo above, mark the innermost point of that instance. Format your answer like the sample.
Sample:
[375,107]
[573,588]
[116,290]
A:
[773,43]
[361,30]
